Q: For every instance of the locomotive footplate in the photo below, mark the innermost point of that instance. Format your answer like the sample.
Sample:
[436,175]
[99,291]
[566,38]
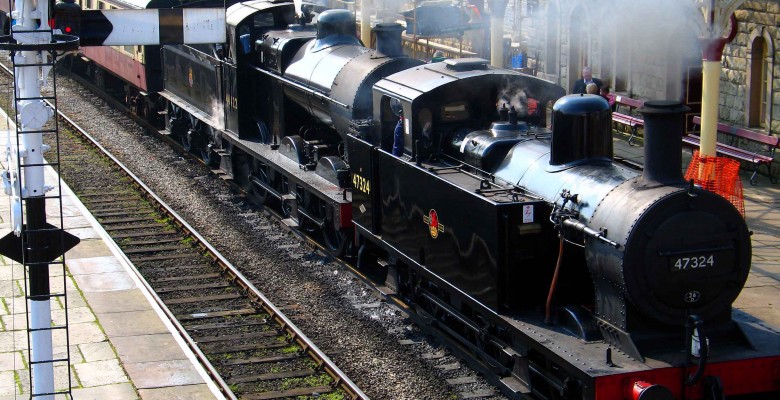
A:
[299,188]
[606,370]
[186,106]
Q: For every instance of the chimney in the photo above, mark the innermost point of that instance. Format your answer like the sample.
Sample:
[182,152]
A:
[388,39]
[664,127]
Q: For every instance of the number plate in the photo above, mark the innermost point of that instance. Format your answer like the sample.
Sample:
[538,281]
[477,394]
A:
[694,262]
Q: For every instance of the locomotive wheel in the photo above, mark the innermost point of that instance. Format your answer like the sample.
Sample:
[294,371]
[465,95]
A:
[257,193]
[186,140]
[190,139]
[336,240]
[207,155]
[207,144]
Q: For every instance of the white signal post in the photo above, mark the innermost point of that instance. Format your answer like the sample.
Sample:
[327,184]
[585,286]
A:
[31,27]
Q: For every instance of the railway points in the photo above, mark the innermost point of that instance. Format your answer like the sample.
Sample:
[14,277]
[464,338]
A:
[122,347]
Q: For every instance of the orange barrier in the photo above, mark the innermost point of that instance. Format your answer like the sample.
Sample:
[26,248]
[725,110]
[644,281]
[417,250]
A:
[719,175]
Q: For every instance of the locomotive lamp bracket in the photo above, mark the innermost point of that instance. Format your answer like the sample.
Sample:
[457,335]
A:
[691,187]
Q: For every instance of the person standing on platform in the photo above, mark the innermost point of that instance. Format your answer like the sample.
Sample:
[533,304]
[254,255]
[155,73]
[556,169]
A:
[587,77]
[609,97]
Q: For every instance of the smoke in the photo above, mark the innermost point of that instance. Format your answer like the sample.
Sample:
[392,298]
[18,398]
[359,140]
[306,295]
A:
[650,39]
[217,115]
[513,94]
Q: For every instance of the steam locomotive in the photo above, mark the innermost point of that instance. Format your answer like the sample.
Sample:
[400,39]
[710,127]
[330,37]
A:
[569,275]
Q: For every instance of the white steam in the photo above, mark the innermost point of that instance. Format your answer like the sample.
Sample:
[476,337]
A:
[513,95]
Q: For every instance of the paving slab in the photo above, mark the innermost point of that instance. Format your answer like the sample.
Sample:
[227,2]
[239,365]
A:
[99,373]
[76,315]
[88,248]
[97,351]
[146,348]
[106,282]
[13,340]
[94,265]
[86,333]
[117,301]
[118,391]
[10,361]
[156,374]
[84,233]
[8,384]
[132,323]
[186,392]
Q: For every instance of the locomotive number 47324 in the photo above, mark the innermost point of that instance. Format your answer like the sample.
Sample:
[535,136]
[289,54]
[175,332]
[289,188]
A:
[360,183]
[693,262]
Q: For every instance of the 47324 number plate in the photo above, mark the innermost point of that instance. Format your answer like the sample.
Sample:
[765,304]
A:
[688,263]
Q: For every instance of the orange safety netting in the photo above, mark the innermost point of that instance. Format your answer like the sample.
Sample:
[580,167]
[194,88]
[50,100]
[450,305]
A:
[719,175]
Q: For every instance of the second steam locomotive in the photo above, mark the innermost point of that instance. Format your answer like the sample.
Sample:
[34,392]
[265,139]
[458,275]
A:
[569,275]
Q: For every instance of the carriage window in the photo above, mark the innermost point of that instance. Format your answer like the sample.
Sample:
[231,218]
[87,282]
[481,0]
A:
[456,111]
[264,20]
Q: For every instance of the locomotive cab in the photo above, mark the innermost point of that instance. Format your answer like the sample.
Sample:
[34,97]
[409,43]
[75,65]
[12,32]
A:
[474,93]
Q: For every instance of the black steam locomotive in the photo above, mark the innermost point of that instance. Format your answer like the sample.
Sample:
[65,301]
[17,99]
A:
[571,276]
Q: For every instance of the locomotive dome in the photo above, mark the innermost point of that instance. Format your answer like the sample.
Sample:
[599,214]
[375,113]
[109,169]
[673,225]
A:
[582,130]
[335,27]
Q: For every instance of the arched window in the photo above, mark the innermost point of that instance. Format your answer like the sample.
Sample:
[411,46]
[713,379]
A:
[551,63]
[758,105]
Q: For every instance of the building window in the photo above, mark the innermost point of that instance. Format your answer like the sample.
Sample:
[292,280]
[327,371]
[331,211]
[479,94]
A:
[759,99]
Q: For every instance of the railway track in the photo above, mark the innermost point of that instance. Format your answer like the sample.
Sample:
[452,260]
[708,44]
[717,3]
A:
[246,343]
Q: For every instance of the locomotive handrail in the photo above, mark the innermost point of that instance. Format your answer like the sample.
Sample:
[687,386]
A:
[588,231]
[307,89]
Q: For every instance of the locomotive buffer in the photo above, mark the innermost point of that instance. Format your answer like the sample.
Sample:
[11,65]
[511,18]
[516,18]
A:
[35,46]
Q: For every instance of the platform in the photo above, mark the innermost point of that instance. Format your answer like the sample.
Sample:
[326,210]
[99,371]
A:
[121,346]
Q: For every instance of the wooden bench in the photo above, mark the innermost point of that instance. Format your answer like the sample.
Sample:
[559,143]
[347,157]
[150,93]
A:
[627,118]
[736,134]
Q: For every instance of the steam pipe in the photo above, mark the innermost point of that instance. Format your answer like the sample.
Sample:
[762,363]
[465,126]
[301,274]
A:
[497,11]
[712,53]
[365,22]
